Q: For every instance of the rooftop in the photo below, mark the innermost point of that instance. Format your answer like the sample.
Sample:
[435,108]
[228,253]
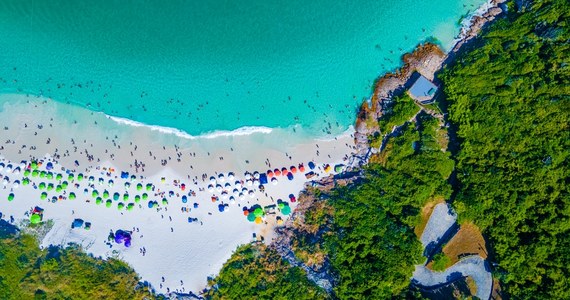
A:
[422,89]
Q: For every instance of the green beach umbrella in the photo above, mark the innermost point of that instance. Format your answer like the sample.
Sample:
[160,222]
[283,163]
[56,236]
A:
[34,165]
[27,172]
[258,212]
[125,197]
[139,187]
[164,201]
[58,177]
[251,217]
[98,201]
[50,187]
[43,174]
[94,194]
[130,206]
[11,197]
[25,181]
[120,206]
[64,185]
[70,177]
[149,187]
[145,196]
[79,177]
[58,188]
[35,219]
[137,198]
[71,196]
[286,210]
[42,185]
[43,196]
[49,175]
[105,194]
[35,173]
[116,196]
[281,205]
[155,205]
[109,203]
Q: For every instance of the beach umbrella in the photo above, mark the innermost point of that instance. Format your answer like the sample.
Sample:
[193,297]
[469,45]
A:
[125,197]
[274,181]
[25,181]
[227,185]
[232,200]
[277,172]
[219,188]
[279,221]
[105,194]
[35,173]
[120,206]
[249,182]
[50,187]
[71,196]
[241,196]
[148,187]
[11,197]
[34,165]
[130,206]
[183,187]
[155,204]
[133,178]
[101,180]
[58,188]
[293,169]
[42,185]
[164,201]
[235,192]
[286,210]
[327,168]
[231,176]
[64,185]
[70,177]
[27,172]
[43,174]
[111,182]
[238,184]
[338,168]
[290,176]
[258,220]
[116,196]
[144,196]
[139,186]
[162,180]
[53,199]
[8,168]
[311,165]
[269,173]
[108,203]
[98,201]
[35,218]
[210,188]
[49,175]
[221,207]
[127,185]
[137,198]
[184,199]
[49,166]
[256,175]
[94,194]
[150,204]
[58,177]
[16,184]
[171,194]
[258,212]
[5,181]
[2,166]
[221,178]
[79,177]
[91,179]
[281,205]
[251,217]
[251,194]
[247,176]
[212,180]
[43,196]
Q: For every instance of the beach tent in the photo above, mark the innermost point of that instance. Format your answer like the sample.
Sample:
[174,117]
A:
[108,203]
[35,218]
[11,197]
[262,179]
[290,176]
[311,165]
[71,196]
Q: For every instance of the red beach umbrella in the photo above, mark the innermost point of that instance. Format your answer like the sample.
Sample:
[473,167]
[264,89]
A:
[284,171]
[277,172]
[293,169]
[269,173]
[301,168]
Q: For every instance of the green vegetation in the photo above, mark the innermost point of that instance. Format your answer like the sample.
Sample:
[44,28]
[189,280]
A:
[402,109]
[510,98]
[26,272]
[259,272]
[440,262]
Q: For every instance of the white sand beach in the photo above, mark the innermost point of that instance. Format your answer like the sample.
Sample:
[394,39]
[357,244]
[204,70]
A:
[166,249]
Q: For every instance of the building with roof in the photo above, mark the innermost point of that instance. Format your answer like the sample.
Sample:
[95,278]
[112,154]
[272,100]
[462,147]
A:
[423,90]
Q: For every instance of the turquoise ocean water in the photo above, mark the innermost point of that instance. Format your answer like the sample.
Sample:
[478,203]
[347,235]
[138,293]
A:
[204,66]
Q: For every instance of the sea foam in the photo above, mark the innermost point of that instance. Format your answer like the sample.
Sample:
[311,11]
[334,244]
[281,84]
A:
[246,130]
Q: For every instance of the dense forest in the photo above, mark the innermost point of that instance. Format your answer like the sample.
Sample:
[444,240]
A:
[509,97]
[26,272]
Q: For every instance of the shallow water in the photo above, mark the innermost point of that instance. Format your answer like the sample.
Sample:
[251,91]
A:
[204,66]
